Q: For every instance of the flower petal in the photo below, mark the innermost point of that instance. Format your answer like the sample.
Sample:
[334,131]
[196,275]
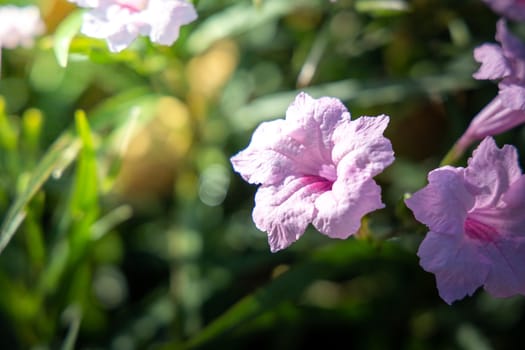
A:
[113,23]
[493,119]
[360,149]
[513,9]
[284,211]
[119,40]
[93,26]
[513,97]
[339,212]
[19,26]
[513,48]
[507,274]
[459,264]
[120,22]
[271,156]
[494,65]
[492,170]
[312,122]
[507,217]
[443,204]
[166,17]
[360,152]
[514,198]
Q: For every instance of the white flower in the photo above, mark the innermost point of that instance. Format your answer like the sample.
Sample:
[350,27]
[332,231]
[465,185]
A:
[121,21]
[19,26]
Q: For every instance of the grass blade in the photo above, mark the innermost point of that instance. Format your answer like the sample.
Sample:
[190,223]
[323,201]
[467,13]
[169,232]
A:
[64,34]
[59,156]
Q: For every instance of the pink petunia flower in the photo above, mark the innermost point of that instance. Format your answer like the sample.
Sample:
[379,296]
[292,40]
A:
[315,166]
[512,9]
[19,26]
[507,110]
[477,224]
[121,21]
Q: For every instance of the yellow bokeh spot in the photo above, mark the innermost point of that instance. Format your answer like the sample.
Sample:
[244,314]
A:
[151,161]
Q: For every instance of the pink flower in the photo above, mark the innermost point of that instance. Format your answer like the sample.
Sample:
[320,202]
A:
[507,109]
[19,26]
[121,21]
[477,224]
[512,9]
[315,166]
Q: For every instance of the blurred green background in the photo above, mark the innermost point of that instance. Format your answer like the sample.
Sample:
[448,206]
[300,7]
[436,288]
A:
[130,229]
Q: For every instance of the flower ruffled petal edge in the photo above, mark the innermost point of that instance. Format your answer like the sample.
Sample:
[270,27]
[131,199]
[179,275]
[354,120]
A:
[443,204]
[459,267]
[285,211]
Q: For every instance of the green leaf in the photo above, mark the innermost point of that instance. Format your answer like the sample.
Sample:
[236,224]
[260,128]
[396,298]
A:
[33,232]
[112,114]
[64,34]
[8,131]
[108,222]
[84,207]
[86,174]
[59,156]
[79,217]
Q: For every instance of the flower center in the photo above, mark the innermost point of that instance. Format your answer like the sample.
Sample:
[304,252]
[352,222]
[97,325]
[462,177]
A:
[322,181]
[479,231]
[328,172]
[133,5]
